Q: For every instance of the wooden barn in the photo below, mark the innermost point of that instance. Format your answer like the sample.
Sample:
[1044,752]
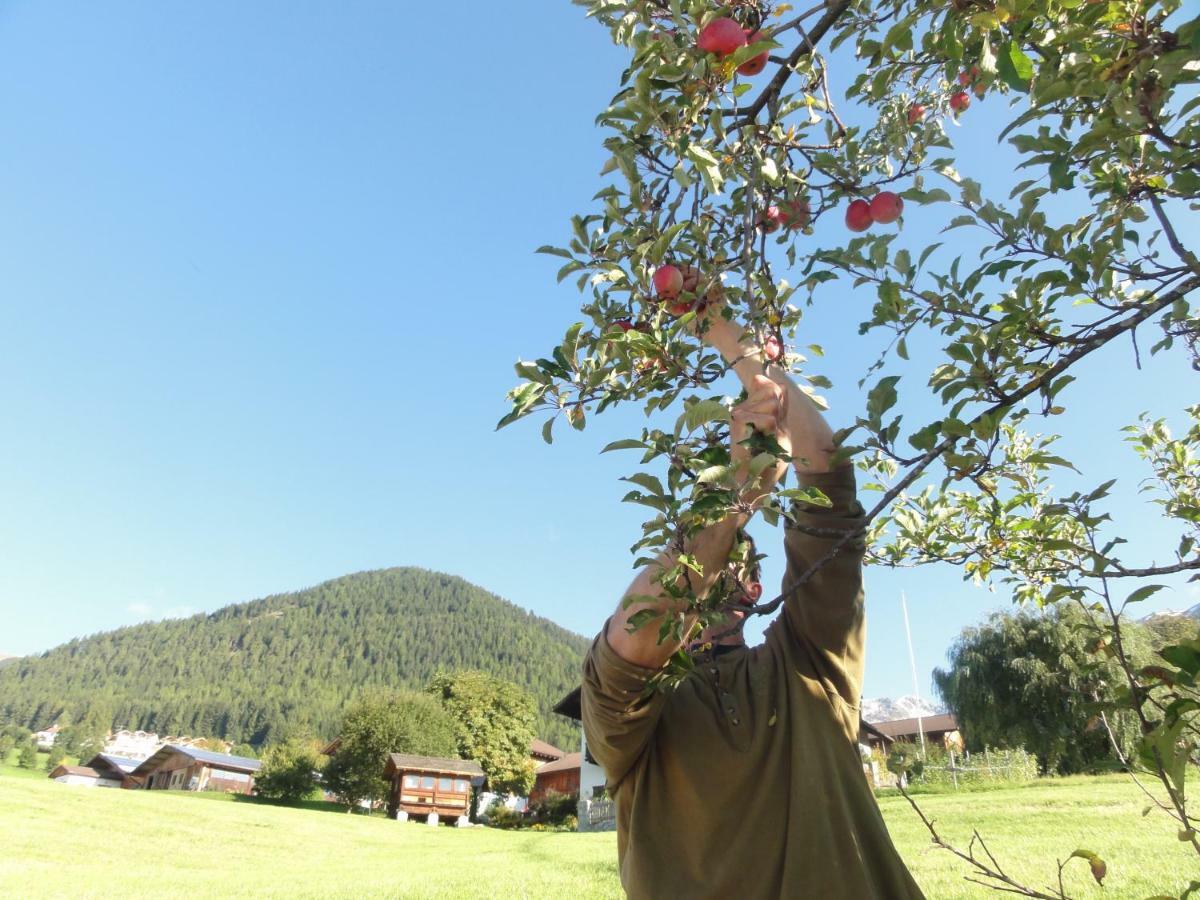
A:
[114,771]
[191,769]
[82,775]
[560,776]
[430,786]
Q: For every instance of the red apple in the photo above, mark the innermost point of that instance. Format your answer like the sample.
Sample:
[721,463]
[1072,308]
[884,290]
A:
[623,324]
[721,36]
[959,101]
[886,207]
[755,64]
[796,214]
[753,590]
[858,215]
[916,113]
[965,78]
[773,348]
[980,89]
[771,218]
[678,309]
[668,281]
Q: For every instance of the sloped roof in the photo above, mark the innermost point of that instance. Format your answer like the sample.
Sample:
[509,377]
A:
[66,769]
[568,762]
[219,760]
[538,747]
[109,761]
[409,762]
[897,727]
[570,705]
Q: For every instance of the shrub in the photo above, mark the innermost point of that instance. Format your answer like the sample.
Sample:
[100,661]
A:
[500,816]
[290,772]
[554,808]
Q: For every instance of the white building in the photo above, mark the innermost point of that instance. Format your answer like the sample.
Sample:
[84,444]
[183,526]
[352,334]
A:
[596,812]
[132,744]
[81,775]
[45,739]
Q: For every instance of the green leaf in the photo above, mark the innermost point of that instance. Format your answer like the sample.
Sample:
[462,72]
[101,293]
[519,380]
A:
[647,481]
[882,397]
[554,251]
[1014,67]
[640,619]
[701,413]
[1097,865]
[546,429]
[714,473]
[1143,592]
[812,495]
[626,444]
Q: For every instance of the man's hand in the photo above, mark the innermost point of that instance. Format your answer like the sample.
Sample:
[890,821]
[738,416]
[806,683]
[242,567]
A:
[802,425]
[765,411]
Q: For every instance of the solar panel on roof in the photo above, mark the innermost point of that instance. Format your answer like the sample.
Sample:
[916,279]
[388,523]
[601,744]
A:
[220,759]
[121,762]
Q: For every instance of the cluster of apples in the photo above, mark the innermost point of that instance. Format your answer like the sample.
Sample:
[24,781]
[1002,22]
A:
[883,209]
[724,37]
[670,281]
[794,215]
[959,100]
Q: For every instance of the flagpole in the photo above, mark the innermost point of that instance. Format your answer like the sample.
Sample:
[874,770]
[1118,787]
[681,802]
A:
[912,662]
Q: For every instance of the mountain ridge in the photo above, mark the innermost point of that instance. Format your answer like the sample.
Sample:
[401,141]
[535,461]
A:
[887,709]
[255,670]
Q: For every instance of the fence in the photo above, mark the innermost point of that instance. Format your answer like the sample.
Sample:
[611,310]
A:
[597,815]
[967,770]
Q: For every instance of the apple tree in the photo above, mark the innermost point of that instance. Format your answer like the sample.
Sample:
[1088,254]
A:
[743,130]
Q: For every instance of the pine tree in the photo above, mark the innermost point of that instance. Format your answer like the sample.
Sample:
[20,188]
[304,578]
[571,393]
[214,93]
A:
[28,757]
[55,757]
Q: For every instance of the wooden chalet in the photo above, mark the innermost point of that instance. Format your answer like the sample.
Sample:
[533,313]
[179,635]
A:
[430,786]
[190,769]
[939,729]
[560,776]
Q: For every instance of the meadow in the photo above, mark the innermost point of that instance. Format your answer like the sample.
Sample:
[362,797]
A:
[62,841]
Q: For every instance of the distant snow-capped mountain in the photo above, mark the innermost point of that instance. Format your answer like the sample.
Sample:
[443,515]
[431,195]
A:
[1193,613]
[887,709]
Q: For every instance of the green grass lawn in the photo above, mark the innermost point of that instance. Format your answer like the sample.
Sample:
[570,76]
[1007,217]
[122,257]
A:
[89,842]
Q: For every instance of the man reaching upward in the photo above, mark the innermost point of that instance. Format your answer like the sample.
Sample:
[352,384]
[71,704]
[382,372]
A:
[745,780]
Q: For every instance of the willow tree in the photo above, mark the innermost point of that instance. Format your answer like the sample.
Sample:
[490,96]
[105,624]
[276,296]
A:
[728,169]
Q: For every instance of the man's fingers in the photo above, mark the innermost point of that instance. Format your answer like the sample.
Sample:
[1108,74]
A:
[764,417]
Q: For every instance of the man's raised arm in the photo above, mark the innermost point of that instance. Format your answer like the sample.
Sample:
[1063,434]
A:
[765,409]
[824,604]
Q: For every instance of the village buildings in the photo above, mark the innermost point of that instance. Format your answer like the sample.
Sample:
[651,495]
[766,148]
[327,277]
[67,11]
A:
[144,744]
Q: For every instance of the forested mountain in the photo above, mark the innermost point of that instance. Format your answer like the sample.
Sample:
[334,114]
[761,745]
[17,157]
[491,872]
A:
[253,671]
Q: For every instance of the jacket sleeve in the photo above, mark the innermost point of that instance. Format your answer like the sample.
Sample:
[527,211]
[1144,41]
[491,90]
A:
[619,716]
[823,616]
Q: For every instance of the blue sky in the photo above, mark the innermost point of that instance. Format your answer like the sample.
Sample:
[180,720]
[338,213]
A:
[264,270]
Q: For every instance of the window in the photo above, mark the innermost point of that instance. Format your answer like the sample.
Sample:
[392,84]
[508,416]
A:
[461,786]
[411,781]
[427,782]
[445,784]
